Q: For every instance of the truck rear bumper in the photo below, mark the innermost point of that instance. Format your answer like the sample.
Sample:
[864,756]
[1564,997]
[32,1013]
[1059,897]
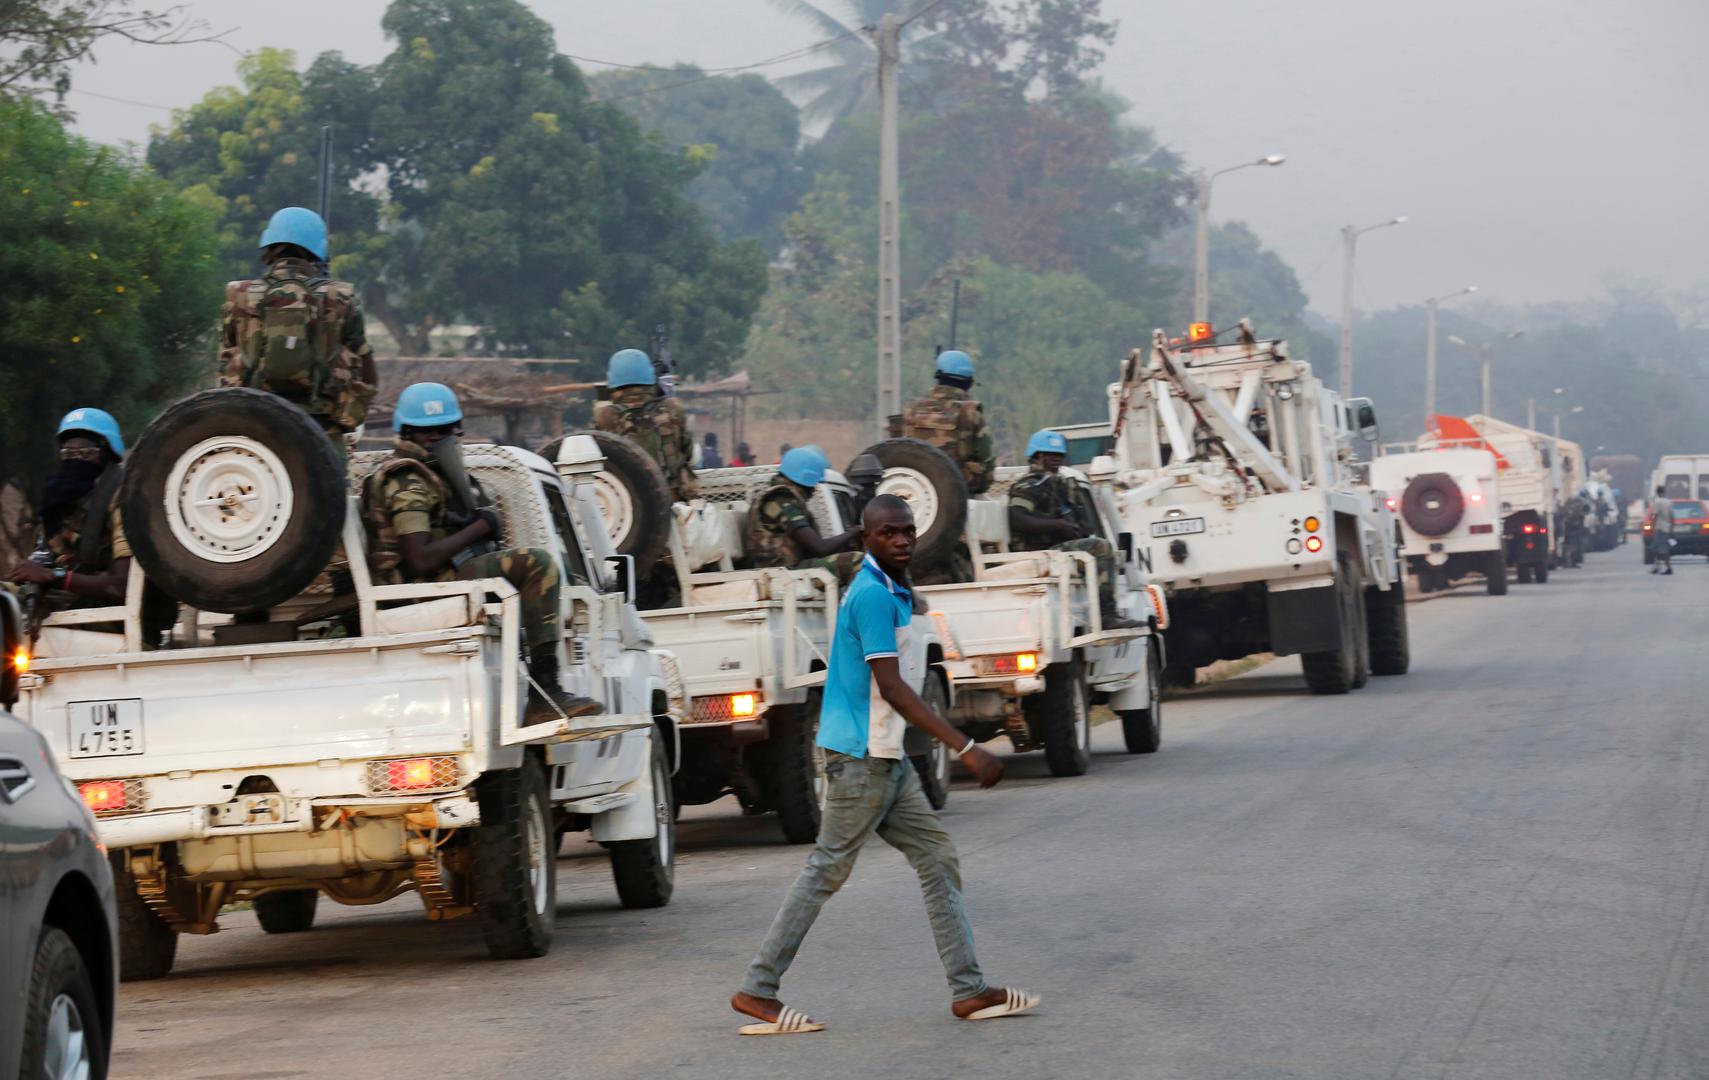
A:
[198,823]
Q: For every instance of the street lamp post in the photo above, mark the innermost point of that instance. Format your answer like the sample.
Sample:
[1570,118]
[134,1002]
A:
[1349,241]
[1201,264]
[1483,353]
[1430,351]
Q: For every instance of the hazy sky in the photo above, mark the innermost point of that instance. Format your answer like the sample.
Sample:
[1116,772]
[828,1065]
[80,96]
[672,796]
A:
[1535,145]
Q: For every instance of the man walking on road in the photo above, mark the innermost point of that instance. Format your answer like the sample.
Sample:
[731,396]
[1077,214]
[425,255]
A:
[872,787]
[1661,533]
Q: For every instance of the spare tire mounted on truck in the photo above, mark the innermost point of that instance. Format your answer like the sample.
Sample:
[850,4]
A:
[634,498]
[931,484]
[233,500]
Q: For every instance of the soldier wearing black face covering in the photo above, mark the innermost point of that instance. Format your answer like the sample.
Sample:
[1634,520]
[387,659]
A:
[82,558]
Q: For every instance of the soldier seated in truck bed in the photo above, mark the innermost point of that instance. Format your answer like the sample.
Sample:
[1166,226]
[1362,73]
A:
[781,531]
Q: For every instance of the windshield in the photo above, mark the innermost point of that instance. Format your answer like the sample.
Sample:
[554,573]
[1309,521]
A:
[1688,508]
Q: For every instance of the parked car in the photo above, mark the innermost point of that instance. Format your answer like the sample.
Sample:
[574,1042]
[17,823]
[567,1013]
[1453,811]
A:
[58,922]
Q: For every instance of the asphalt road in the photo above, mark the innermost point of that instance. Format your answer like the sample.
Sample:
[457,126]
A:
[1492,867]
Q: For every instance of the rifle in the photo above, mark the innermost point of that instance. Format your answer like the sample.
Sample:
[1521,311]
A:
[448,452]
[663,367]
[30,596]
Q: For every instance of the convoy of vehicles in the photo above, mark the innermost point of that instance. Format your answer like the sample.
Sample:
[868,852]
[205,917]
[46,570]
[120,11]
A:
[1449,504]
[1241,493]
[1529,482]
[358,745]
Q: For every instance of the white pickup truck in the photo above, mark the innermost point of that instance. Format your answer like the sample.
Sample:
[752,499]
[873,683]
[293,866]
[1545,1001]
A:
[1449,504]
[752,644]
[1027,653]
[365,745]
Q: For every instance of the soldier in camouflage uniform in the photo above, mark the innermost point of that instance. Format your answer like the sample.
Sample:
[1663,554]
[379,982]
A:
[88,560]
[781,531]
[329,373]
[949,419]
[656,423]
[413,536]
[1044,515]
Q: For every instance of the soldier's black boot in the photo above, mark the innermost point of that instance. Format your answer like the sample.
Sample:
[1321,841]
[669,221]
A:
[1114,620]
[547,699]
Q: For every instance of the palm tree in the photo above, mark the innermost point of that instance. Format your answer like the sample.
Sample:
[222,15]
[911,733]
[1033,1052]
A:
[848,84]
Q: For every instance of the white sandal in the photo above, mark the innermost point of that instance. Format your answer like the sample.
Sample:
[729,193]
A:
[790,1021]
[1014,1001]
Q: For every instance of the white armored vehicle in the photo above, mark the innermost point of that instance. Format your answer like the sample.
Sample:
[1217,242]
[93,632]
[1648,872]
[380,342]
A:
[1449,504]
[1240,490]
[1529,479]
[354,743]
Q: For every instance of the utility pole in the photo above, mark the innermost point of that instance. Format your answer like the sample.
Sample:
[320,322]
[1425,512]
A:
[1557,427]
[1485,351]
[1349,240]
[1531,414]
[1430,351]
[1202,249]
[889,255]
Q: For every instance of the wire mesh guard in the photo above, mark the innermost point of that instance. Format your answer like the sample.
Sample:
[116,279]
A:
[725,487]
[414,776]
[724,708]
[104,797]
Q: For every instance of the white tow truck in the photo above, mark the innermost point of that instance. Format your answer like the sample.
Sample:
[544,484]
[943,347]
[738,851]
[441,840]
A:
[752,643]
[1238,483]
[1529,482]
[357,745]
[1449,504]
[1026,647]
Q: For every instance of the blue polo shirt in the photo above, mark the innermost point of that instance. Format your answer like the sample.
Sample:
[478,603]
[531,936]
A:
[872,621]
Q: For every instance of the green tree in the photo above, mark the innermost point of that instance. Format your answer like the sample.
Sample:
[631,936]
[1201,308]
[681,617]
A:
[105,293]
[41,39]
[742,127]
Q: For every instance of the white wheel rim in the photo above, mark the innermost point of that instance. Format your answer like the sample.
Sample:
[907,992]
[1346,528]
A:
[539,857]
[228,499]
[66,1046]
[662,811]
[913,488]
[616,507]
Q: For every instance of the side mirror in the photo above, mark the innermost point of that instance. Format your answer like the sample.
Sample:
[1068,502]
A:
[623,575]
[1124,541]
[1366,415]
[11,648]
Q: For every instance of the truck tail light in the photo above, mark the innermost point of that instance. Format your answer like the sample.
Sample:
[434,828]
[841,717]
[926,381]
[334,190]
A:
[1391,503]
[1476,496]
[1314,544]
[111,796]
[1527,528]
[21,661]
[1312,525]
[744,704]
[1019,664]
[413,774]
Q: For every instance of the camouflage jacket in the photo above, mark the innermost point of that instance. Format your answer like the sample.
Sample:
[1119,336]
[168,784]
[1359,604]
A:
[350,382]
[66,542]
[1048,495]
[403,496]
[949,419]
[772,520]
[660,427]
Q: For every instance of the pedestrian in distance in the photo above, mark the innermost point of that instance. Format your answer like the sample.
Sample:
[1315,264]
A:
[1661,533]
[710,458]
[783,450]
[873,789]
[744,458]
[296,332]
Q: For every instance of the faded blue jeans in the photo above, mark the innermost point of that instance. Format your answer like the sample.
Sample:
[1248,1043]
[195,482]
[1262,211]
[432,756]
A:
[866,796]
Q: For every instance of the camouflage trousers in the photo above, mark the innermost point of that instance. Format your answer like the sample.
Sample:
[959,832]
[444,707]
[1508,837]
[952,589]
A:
[535,576]
[957,567]
[1105,555]
[844,566]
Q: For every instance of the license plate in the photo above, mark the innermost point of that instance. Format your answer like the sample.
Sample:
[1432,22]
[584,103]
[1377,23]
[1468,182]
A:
[1686,530]
[1178,527]
[99,729]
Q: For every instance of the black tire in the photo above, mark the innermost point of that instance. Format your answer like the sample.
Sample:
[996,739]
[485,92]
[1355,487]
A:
[289,911]
[637,505]
[1542,573]
[1061,719]
[61,1015]
[645,870]
[933,764]
[1386,632]
[1432,504]
[1142,729]
[1522,572]
[943,518]
[516,883]
[1495,573]
[1362,641]
[1181,676]
[795,780]
[1336,671]
[148,944]
[290,549]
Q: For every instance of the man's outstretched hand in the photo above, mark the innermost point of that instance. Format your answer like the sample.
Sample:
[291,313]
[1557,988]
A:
[983,765]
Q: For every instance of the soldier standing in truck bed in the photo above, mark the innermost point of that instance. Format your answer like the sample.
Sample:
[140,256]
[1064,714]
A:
[654,422]
[949,419]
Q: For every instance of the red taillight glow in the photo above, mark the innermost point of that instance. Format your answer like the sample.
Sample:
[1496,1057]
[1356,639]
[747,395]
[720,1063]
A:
[1314,544]
[103,796]
[1528,528]
[1477,496]
[409,774]
[21,660]
[1391,503]
[1019,664]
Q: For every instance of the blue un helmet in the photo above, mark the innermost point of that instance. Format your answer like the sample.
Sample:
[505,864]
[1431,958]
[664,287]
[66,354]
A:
[1046,442]
[804,465]
[630,367]
[955,363]
[96,422]
[426,404]
[300,226]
